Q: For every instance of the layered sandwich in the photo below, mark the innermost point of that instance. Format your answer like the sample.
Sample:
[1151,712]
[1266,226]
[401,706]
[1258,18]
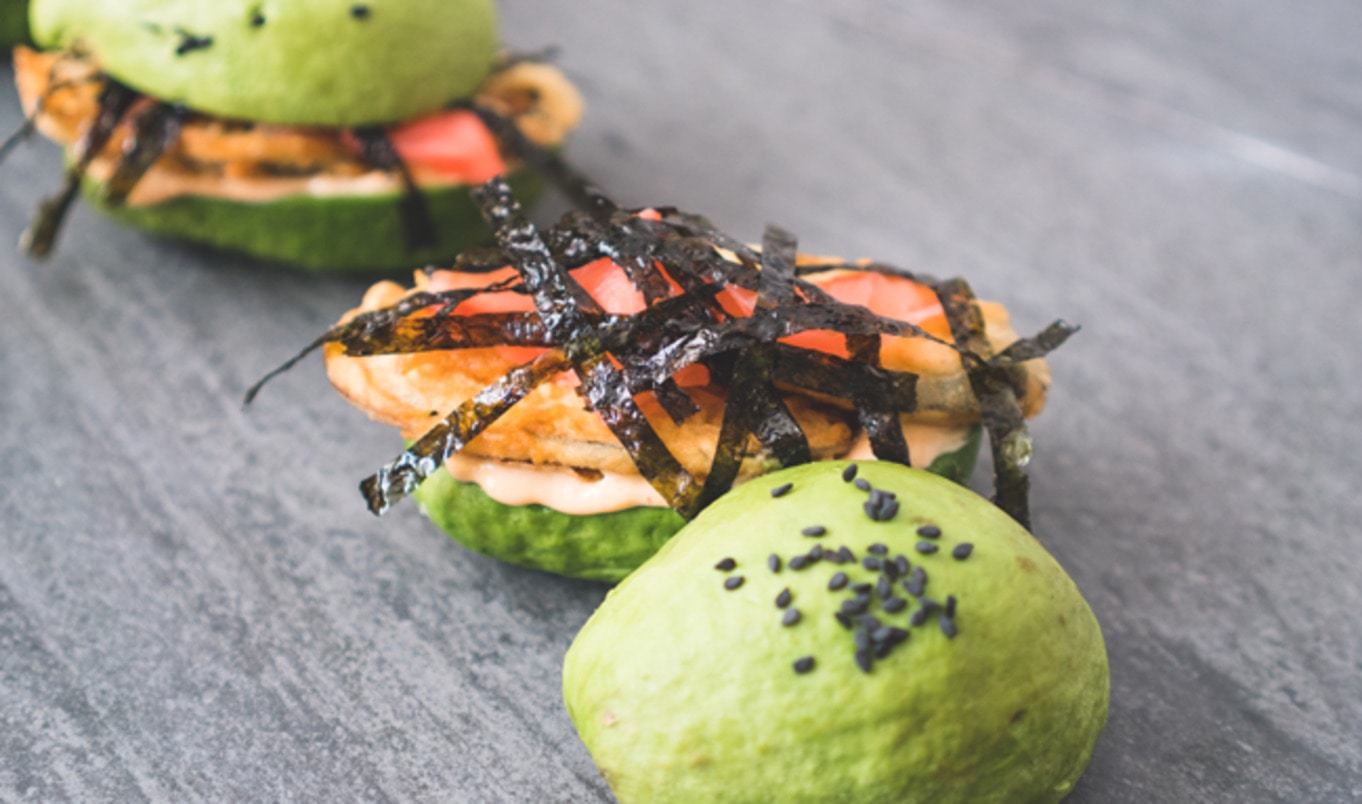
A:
[328,135]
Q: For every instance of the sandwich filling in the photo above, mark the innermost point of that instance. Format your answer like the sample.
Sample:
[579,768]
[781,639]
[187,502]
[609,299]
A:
[238,160]
[553,449]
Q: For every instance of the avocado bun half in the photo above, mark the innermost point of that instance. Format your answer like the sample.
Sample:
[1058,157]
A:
[329,136]
[934,654]
[600,547]
[13,22]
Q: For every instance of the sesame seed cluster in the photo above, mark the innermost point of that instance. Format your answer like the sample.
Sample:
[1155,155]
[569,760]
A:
[883,597]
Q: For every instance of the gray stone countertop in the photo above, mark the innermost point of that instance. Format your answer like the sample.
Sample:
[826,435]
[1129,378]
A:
[194,603]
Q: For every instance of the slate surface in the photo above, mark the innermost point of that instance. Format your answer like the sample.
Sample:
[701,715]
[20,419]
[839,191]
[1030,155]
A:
[195,605]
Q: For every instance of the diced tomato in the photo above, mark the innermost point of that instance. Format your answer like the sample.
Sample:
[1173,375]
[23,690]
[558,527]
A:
[891,296]
[454,143]
[609,285]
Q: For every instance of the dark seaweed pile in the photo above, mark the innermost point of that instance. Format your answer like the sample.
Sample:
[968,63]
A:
[619,358]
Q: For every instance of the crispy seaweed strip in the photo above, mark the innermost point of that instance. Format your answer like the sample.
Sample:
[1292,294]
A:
[1040,345]
[154,130]
[580,190]
[370,325]
[1008,437]
[114,102]
[441,333]
[552,291]
[23,132]
[418,227]
[777,269]
[400,477]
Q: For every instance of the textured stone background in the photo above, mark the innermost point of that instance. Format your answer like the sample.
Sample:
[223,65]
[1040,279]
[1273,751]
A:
[195,604]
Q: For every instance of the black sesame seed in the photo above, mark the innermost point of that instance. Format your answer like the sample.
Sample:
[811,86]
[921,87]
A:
[883,649]
[814,530]
[948,627]
[913,586]
[862,589]
[733,582]
[950,605]
[856,605]
[861,639]
[901,563]
[773,562]
[878,549]
[803,664]
[884,587]
[864,660]
[890,569]
[849,473]
[871,510]
[725,565]
[929,603]
[894,604]
[847,555]
[833,557]
[925,548]
[929,532]
[791,617]
[920,574]
[881,634]
[837,581]
[782,490]
[359,12]
[918,617]
[844,619]
[897,636]
[799,562]
[863,484]
[783,599]
[816,554]
[963,550]
[868,621]
[889,510]
[870,563]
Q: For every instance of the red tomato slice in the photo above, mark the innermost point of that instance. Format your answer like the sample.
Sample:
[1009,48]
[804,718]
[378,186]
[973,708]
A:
[454,143]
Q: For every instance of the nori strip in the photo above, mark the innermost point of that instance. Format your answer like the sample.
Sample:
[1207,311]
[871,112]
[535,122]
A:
[418,227]
[400,477]
[114,102]
[557,297]
[1008,437]
[154,130]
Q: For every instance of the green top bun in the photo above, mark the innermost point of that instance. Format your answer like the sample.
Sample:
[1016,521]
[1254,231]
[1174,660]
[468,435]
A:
[13,22]
[707,676]
[293,62]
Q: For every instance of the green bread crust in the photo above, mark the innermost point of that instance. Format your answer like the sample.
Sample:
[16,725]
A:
[684,690]
[13,22]
[300,62]
[600,547]
[347,233]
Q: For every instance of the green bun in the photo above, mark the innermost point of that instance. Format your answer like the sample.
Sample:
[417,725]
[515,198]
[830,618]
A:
[355,233]
[299,62]
[686,690]
[600,547]
[13,22]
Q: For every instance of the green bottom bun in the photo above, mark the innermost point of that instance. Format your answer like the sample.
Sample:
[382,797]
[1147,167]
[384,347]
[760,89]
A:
[361,233]
[950,660]
[599,547]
